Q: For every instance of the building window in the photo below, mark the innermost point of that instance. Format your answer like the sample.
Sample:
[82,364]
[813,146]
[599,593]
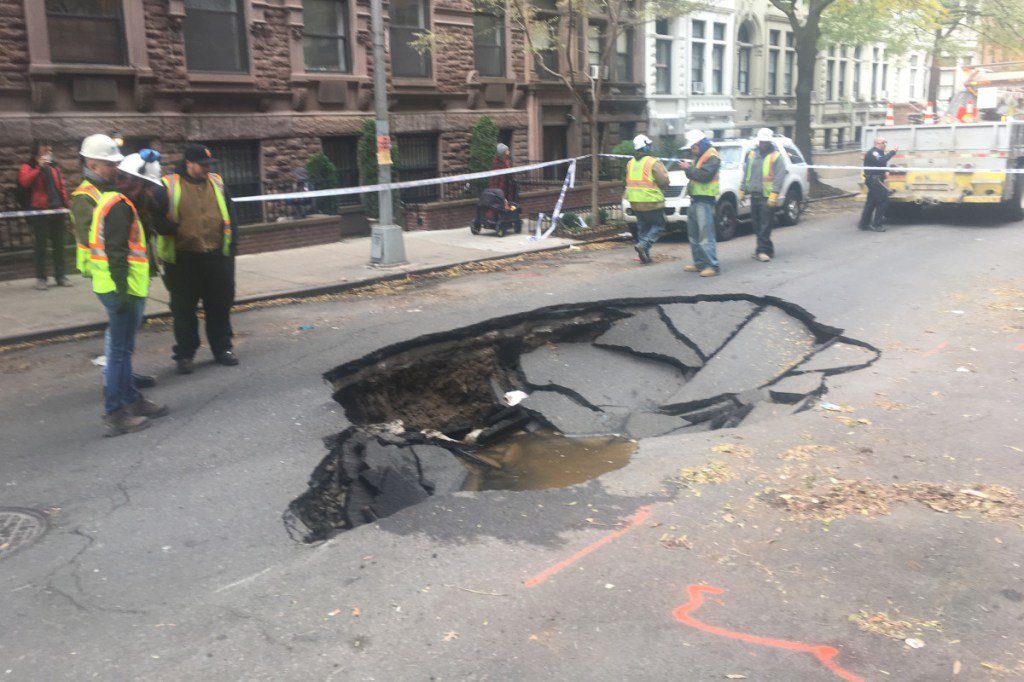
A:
[856,73]
[663,66]
[489,44]
[661,27]
[830,74]
[718,58]
[913,76]
[745,39]
[408,17]
[85,31]
[417,160]
[697,46]
[773,62]
[215,36]
[624,56]
[342,153]
[874,74]
[841,89]
[885,80]
[240,167]
[325,36]
[787,74]
[594,44]
[840,134]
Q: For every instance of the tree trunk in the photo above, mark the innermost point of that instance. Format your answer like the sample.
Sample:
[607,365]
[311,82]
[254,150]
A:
[595,149]
[935,72]
[806,54]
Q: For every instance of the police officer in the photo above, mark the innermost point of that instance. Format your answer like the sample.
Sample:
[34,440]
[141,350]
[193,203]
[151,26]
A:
[764,175]
[646,180]
[878,194]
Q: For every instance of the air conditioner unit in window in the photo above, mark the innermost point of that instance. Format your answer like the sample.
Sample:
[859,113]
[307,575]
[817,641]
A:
[697,88]
[599,71]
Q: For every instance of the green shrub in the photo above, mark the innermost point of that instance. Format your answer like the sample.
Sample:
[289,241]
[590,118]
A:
[366,154]
[623,147]
[483,141]
[323,175]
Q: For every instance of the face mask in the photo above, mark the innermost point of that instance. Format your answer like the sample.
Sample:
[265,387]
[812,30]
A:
[47,158]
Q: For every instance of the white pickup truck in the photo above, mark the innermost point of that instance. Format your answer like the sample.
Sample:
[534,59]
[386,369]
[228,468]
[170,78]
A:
[729,211]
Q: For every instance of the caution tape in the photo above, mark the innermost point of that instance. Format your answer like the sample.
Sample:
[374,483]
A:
[28,214]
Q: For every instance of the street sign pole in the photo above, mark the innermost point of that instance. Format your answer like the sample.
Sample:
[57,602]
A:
[387,246]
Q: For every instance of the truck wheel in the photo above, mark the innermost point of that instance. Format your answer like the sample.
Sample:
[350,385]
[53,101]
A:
[789,212]
[725,221]
[1013,210]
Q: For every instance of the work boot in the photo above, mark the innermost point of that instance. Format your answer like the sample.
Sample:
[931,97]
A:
[185,366]
[763,257]
[643,252]
[123,421]
[64,282]
[691,268]
[143,381]
[709,272]
[41,285]
[143,407]
[227,358]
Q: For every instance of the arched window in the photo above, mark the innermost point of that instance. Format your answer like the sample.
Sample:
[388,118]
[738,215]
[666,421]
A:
[745,40]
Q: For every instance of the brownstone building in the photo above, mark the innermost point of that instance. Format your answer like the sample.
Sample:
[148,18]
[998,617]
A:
[267,83]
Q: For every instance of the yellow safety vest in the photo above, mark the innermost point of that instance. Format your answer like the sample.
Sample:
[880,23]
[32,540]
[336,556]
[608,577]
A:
[767,171]
[82,240]
[640,185]
[704,189]
[165,248]
[138,261]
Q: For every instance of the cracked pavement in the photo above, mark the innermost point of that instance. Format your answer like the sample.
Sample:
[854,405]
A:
[167,557]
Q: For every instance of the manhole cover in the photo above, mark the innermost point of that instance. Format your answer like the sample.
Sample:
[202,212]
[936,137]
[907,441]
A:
[19,528]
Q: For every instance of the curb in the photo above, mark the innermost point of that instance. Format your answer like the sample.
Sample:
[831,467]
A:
[58,333]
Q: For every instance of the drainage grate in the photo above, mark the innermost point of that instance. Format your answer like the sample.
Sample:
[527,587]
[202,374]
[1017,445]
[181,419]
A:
[20,528]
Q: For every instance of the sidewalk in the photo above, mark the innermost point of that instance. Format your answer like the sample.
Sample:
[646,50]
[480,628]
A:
[27,313]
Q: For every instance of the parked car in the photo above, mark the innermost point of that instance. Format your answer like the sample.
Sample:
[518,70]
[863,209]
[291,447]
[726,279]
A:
[729,211]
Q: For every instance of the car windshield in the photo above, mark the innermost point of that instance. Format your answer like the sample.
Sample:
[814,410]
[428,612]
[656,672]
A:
[731,154]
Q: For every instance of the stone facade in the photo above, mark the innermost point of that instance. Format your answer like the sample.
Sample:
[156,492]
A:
[13,46]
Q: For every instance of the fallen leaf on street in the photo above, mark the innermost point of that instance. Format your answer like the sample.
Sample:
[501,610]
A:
[356,612]
[450,635]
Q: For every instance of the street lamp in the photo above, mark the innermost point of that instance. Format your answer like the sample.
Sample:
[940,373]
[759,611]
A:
[387,246]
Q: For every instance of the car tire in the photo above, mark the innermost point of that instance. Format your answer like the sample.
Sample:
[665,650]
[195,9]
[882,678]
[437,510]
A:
[789,212]
[725,220]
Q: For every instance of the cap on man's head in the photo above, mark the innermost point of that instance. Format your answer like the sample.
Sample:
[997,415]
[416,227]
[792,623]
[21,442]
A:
[199,153]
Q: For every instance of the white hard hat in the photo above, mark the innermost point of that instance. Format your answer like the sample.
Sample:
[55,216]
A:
[134,165]
[101,148]
[693,137]
[641,141]
[765,135]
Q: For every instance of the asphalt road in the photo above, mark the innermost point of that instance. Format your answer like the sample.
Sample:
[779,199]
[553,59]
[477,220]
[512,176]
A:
[168,559]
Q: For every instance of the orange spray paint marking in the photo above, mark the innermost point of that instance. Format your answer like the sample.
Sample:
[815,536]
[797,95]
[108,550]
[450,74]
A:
[825,654]
[935,350]
[1020,347]
[641,515]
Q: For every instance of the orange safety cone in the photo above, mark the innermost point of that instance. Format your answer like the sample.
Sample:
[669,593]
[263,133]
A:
[890,118]
[929,114]
[969,114]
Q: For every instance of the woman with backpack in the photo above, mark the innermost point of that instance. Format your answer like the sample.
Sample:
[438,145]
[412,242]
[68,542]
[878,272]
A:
[42,188]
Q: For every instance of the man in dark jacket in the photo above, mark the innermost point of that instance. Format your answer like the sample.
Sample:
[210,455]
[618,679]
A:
[199,259]
[703,189]
[46,190]
[878,193]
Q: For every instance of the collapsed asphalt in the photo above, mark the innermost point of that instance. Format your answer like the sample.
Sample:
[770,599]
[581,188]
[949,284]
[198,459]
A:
[167,559]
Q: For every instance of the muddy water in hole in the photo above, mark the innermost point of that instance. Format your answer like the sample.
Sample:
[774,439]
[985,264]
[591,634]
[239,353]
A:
[546,459]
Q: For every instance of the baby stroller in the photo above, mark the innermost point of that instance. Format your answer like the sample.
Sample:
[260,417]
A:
[494,214]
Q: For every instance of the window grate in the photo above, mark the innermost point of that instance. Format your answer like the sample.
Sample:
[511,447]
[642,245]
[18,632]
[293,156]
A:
[240,167]
[417,160]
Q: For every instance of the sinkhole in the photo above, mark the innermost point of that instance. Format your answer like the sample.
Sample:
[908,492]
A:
[559,395]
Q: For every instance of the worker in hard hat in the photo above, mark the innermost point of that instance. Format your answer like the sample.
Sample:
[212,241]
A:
[703,191]
[764,174]
[646,180]
[119,270]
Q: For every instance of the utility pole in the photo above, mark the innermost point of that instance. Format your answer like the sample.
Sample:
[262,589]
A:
[387,246]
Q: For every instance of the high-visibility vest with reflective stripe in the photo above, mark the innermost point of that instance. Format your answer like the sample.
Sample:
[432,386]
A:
[165,248]
[705,189]
[138,261]
[82,240]
[767,171]
[640,185]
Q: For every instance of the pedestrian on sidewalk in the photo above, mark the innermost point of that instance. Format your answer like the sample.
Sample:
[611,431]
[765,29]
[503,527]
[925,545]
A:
[506,182]
[119,269]
[45,184]
[646,182]
[199,259]
[703,191]
[873,215]
[764,175]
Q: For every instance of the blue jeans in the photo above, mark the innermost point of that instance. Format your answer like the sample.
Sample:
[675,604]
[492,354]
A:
[700,227]
[649,226]
[118,345]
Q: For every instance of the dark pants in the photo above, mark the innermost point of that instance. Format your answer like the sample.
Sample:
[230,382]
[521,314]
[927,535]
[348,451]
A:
[763,218]
[875,205]
[119,344]
[649,226]
[206,277]
[48,228]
